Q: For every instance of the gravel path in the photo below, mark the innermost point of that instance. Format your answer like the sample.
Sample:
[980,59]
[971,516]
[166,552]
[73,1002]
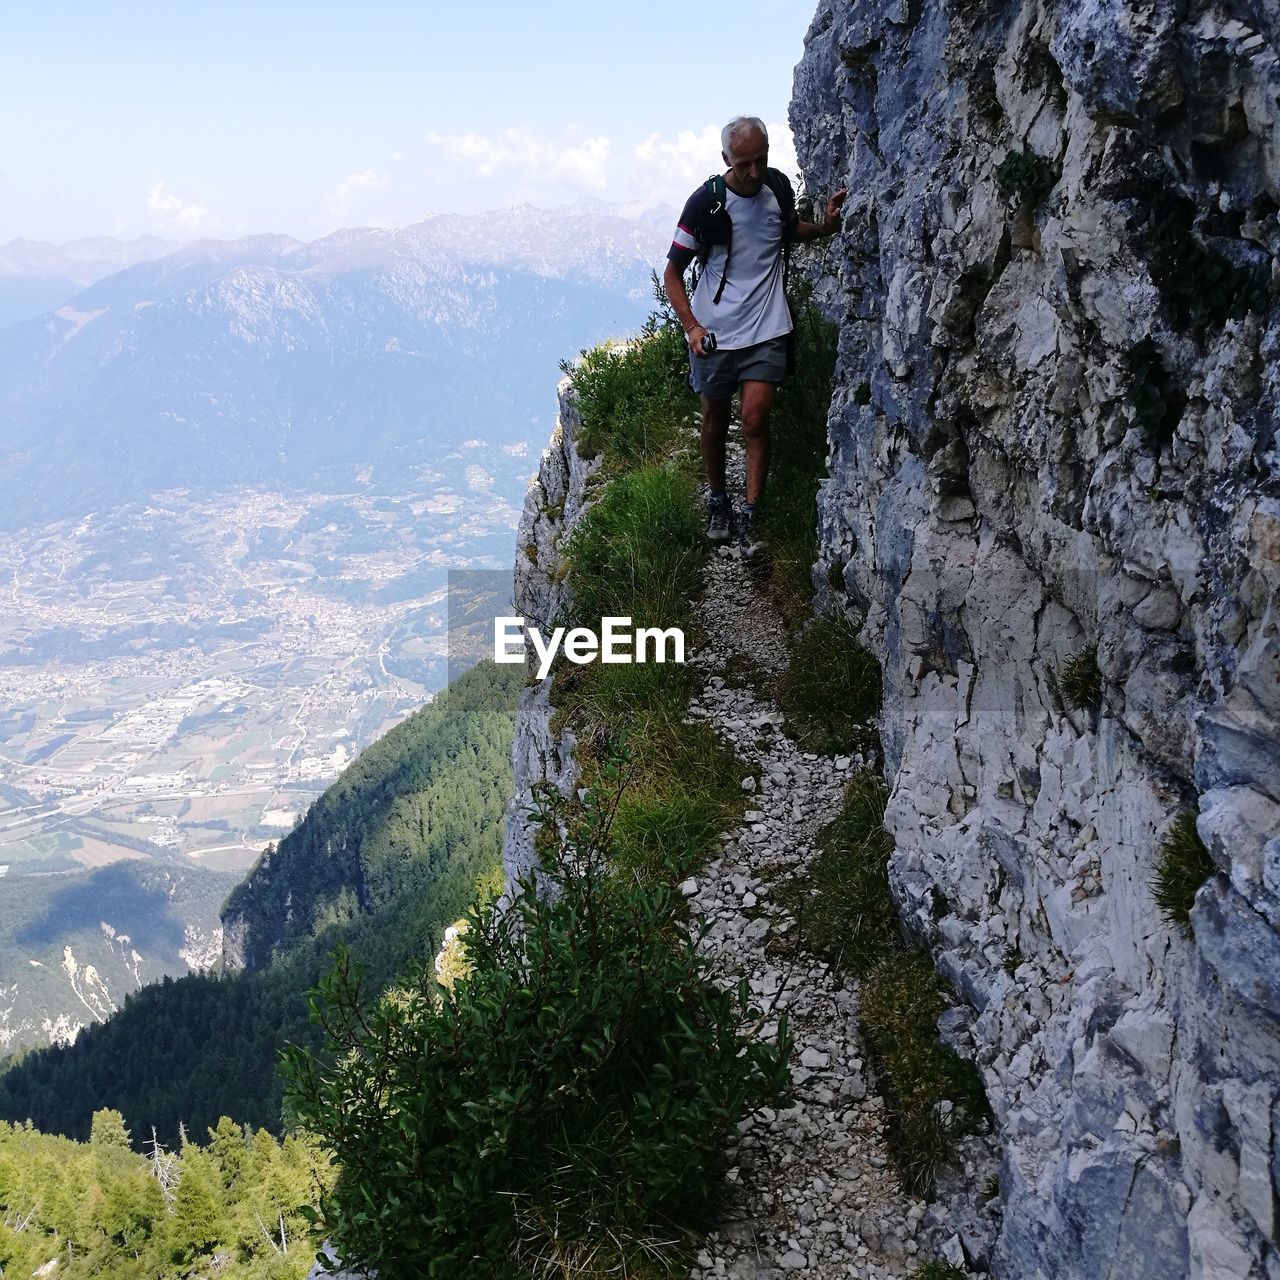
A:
[815,1194]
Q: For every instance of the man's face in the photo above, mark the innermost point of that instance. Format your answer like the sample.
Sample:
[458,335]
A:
[748,156]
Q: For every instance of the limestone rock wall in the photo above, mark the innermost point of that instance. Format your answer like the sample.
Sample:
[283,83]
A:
[553,502]
[1049,434]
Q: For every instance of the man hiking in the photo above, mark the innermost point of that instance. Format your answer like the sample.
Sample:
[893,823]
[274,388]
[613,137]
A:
[737,226]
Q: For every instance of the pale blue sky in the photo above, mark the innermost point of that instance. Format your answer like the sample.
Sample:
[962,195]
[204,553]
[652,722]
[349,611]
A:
[191,119]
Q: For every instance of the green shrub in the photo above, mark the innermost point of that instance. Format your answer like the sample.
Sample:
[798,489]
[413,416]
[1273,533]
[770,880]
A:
[1183,864]
[563,1111]
[843,906]
[1025,174]
[831,690]
[635,399]
[901,1000]
[1080,681]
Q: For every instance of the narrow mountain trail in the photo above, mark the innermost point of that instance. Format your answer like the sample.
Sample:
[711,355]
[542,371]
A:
[814,1193]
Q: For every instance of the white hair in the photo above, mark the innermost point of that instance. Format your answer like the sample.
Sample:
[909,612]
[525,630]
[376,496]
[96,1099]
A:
[739,125]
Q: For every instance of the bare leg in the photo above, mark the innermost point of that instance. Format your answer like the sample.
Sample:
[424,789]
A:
[715,431]
[757,400]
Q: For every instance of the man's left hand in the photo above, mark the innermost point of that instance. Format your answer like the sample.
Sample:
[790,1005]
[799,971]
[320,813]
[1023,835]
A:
[831,223]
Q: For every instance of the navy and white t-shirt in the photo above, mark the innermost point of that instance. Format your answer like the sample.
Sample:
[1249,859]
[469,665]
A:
[753,307]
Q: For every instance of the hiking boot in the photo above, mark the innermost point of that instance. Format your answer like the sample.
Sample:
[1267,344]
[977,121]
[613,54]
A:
[719,519]
[749,544]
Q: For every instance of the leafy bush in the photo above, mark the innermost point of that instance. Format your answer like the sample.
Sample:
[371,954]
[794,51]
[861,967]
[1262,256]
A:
[562,1110]
[938,1271]
[1080,681]
[831,689]
[932,1095]
[1183,864]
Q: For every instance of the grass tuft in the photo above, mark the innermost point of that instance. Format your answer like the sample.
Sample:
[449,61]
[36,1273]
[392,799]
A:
[832,689]
[798,460]
[938,1271]
[638,551]
[901,1001]
[634,399]
[843,905]
[1183,864]
[846,913]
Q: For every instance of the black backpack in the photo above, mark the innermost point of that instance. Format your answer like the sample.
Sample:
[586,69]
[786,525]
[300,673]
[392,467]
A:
[716,226]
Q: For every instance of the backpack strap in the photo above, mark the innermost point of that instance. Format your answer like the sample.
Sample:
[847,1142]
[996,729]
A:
[780,185]
[718,192]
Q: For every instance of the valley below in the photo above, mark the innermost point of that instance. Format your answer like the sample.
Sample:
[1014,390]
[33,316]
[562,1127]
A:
[179,680]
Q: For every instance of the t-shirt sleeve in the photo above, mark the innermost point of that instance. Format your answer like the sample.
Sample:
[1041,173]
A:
[684,244]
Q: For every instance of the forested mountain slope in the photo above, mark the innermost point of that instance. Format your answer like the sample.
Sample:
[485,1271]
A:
[409,833]
[396,819]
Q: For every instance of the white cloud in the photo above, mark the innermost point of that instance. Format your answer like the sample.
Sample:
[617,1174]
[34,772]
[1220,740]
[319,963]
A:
[341,199]
[175,214]
[676,165]
[689,157]
[580,164]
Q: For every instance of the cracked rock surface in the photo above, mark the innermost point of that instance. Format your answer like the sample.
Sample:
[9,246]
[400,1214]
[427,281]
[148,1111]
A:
[1041,446]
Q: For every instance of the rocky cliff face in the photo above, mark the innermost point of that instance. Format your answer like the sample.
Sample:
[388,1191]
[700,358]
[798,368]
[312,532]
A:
[553,502]
[1055,431]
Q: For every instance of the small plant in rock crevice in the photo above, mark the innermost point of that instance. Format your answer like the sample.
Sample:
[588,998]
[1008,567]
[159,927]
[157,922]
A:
[1025,174]
[938,1271]
[1202,286]
[932,1095]
[1183,864]
[1080,680]
[1156,398]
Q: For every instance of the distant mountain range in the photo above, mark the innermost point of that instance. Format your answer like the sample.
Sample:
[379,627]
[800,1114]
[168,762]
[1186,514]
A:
[36,276]
[266,360]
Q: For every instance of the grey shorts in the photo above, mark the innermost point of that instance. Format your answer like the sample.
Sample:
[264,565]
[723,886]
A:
[717,375]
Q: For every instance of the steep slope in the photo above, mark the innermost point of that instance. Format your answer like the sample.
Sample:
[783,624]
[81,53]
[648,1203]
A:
[1054,492]
[72,946]
[415,792]
[190,1050]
